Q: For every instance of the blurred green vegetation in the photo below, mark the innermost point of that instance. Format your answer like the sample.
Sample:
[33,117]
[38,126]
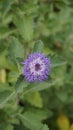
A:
[27,26]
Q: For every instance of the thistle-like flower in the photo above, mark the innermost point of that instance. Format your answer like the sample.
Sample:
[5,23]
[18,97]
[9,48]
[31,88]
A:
[36,67]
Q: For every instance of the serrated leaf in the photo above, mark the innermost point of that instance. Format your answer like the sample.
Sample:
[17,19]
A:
[35,99]
[40,114]
[40,86]
[44,127]
[30,122]
[20,84]
[5,97]
[6,94]
[15,48]
[24,26]
[6,63]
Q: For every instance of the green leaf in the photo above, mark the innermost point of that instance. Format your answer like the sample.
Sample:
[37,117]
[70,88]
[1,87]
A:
[6,63]
[40,86]
[69,76]
[6,6]
[3,45]
[20,127]
[5,97]
[20,84]
[62,96]
[12,76]
[57,61]
[30,122]
[44,127]
[35,99]
[6,126]
[39,46]
[40,114]
[58,64]
[4,87]
[5,32]
[15,48]
[7,19]
[6,94]
[24,26]
[33,121]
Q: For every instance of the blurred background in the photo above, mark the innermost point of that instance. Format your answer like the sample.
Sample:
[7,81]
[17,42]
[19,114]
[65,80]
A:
[27,26]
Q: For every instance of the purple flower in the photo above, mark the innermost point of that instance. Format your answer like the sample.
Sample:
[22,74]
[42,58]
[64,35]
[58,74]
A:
[36,67]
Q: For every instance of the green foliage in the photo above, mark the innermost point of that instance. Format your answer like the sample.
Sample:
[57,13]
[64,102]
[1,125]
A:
[6,127]
[28,26]
[20,84]
[37,99]
[39,46]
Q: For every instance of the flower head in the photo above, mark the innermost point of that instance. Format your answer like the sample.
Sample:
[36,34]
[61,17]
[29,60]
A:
[36,67]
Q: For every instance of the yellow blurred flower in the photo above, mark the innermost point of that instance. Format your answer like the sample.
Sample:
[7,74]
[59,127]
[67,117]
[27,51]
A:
[3,76]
